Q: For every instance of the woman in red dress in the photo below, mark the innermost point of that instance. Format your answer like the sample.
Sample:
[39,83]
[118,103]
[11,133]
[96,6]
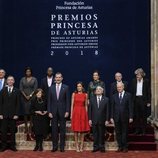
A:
[79,115]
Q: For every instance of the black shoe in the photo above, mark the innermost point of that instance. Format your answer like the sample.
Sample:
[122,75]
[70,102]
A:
[41,148]
[36,148]
[54,150]
[119,150]
[62,150]
[95,150]
[125,150]
[137,132]
[13,149]
[3,149]
[102,150]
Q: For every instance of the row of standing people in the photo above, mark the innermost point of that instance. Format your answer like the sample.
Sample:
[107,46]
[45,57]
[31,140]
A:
[57,106]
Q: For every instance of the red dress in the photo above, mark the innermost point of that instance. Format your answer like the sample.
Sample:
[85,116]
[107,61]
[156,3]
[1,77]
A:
[79,122]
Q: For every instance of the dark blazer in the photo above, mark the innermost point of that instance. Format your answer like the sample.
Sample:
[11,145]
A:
[44,86]
[101,114]
[61,105]
[113,88]
[9,103]
[146,90]
[123,110]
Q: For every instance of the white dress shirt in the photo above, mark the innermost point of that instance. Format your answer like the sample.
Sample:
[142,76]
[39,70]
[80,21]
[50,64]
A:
[139,90]
[49,81]
[11,89]
[122,94]
[99,97]
[59,86]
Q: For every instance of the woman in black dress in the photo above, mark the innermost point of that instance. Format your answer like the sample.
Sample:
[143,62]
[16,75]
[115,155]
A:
[39,111]
[28,85]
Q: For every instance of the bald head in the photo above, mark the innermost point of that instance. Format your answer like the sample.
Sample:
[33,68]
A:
[50,72]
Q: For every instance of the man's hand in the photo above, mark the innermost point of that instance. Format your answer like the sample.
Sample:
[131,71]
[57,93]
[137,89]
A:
[130,120]
[39,112]
[106,123]
[44,112]
[112,120]
[1,117]
[66,114]
[15,117]
[148,104]
[50,115]
[90,123]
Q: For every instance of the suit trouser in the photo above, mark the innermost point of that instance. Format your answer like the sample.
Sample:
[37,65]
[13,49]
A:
[99,136]
[55,133]
[121,129]
[11,123]
[140,113]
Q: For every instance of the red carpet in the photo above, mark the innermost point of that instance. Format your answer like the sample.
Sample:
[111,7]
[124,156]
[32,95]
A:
[73,154]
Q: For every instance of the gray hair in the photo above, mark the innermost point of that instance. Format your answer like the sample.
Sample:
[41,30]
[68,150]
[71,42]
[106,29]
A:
[100,87]
[140,71]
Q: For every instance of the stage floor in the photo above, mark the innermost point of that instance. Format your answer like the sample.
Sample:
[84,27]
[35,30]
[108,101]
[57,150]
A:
[73,154]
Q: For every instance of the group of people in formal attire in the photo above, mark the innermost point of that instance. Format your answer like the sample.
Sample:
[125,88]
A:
[89,111]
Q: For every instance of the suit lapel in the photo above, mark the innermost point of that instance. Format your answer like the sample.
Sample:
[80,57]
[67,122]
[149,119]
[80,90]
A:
[118,99]
[96,103]
[46,82]
[123,99]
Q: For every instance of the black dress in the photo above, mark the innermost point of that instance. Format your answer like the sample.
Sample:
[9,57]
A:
[39,121]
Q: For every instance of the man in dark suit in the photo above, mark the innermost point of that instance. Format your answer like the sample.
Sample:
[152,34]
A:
[2,79]
[98,118]
[113,88]
[47,82]
[59,109]
[121,115]
[9,108]
[141,93]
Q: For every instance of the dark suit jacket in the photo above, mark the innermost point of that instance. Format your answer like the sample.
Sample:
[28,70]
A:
[146,90]
[61,105]
[9,104]
[101,114]
[44,86]
[123,110]
[113,88]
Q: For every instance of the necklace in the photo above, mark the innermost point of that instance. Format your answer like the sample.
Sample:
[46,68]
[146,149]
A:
[39,100]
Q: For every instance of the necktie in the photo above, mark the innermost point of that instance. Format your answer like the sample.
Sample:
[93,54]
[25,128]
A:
[57,91]
[9,91]
[120,97]
[99,101]
[0,85]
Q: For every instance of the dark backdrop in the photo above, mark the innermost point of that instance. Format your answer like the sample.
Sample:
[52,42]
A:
[124,41]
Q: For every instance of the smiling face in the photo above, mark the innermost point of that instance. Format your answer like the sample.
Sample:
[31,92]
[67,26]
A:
[28,73]
[118,77]
[58,78]
[120,87]
[49,71]
[95,76]
[10,81]
[39,94]
[79,87]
